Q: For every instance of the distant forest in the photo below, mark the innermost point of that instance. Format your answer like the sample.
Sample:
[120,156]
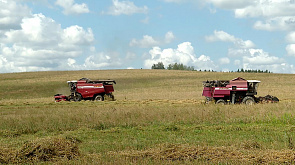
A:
[180,66]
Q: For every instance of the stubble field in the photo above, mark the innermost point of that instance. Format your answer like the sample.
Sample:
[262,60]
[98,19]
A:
[159,117]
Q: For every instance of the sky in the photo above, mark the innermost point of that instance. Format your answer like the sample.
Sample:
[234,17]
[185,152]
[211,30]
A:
[219,35]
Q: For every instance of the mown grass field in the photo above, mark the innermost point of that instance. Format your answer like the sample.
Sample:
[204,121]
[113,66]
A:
[159,117]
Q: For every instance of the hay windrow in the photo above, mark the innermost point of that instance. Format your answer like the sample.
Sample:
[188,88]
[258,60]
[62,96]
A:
[7,155]
[172,152]
[41,150]
[48,149]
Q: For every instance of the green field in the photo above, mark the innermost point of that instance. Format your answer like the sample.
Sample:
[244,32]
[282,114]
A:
[159,117]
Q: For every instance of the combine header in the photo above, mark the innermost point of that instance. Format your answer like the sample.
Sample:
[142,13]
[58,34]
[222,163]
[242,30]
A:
[86,89]
[234,91]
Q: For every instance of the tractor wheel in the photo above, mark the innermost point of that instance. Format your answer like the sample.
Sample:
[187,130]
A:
[221,102]
[248,100]
[98,98]
[78,97]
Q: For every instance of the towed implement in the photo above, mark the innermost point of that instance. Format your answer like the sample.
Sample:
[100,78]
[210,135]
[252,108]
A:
[234,91]
[86,89]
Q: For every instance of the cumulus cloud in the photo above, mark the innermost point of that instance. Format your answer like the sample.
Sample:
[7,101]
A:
[273,14]
[70,7]
[126,8]
[11,14]
[259,59]
[183,54]
[266,8]
[42,33]
[95,61]
[148,41]
[175,1]
[229,4]
[290,38]
[247,57]
[276,24]
[290,48]
[169,37]
[39,43]
[225,37]
[224,61]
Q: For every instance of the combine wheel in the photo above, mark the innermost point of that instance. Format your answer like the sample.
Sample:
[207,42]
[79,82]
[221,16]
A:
[248,100]
[98,98]
[221,102]
[78,97]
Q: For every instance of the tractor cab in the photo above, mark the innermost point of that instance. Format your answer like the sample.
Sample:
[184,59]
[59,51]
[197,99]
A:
[72,85]
[253,86]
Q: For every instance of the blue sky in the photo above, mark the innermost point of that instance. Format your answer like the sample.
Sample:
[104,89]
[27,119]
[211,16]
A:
[220,35]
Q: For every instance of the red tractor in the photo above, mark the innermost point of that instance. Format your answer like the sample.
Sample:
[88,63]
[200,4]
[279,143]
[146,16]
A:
[233,91]
[86,89]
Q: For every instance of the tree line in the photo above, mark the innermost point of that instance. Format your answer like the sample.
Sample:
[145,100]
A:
[253,71]
[180,66]
[174,66]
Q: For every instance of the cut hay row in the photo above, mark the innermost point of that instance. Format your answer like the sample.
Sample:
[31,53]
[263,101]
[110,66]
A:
[159,117]
[41,150]
[172,152]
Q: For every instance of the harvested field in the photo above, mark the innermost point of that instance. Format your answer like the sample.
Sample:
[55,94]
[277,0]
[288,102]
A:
[213,155]
[159,117]
[41,150]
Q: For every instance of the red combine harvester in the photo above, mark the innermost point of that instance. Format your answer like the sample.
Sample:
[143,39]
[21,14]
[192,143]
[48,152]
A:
[86,89]
[233,91]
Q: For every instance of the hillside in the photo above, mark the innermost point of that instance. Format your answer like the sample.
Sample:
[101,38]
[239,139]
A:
[158,118]
[137,84]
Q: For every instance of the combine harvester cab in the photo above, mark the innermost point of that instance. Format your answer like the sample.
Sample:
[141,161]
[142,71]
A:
[86,89]
[234,91]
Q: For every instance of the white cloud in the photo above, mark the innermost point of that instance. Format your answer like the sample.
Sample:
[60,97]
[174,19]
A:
[34,42]
[290,49]
[266,8]
[259,59]
[237,62]
[76,35]
[102,60]
[70,7]
[11,14]
[169,37]
[276,24]
[230,4]
[146,20]
[225,37]
[41,44]
[175,1]
[274,14]
[224,61]
[290,38]
[95,61]
[183,54]
[148,41]
[247,57]
[125,7]
[130,56]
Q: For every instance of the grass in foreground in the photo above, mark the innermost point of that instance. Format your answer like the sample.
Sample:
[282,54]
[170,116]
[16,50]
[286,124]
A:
[158,118]
[129,131]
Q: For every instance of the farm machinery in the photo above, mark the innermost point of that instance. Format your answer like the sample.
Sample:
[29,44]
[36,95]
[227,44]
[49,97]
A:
[234,91]
[86,89]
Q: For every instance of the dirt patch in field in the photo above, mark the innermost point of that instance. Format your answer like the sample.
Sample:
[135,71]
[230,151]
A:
[41,150]
[212,154]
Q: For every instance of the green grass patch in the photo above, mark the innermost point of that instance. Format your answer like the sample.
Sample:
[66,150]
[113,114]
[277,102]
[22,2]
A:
[154,112]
